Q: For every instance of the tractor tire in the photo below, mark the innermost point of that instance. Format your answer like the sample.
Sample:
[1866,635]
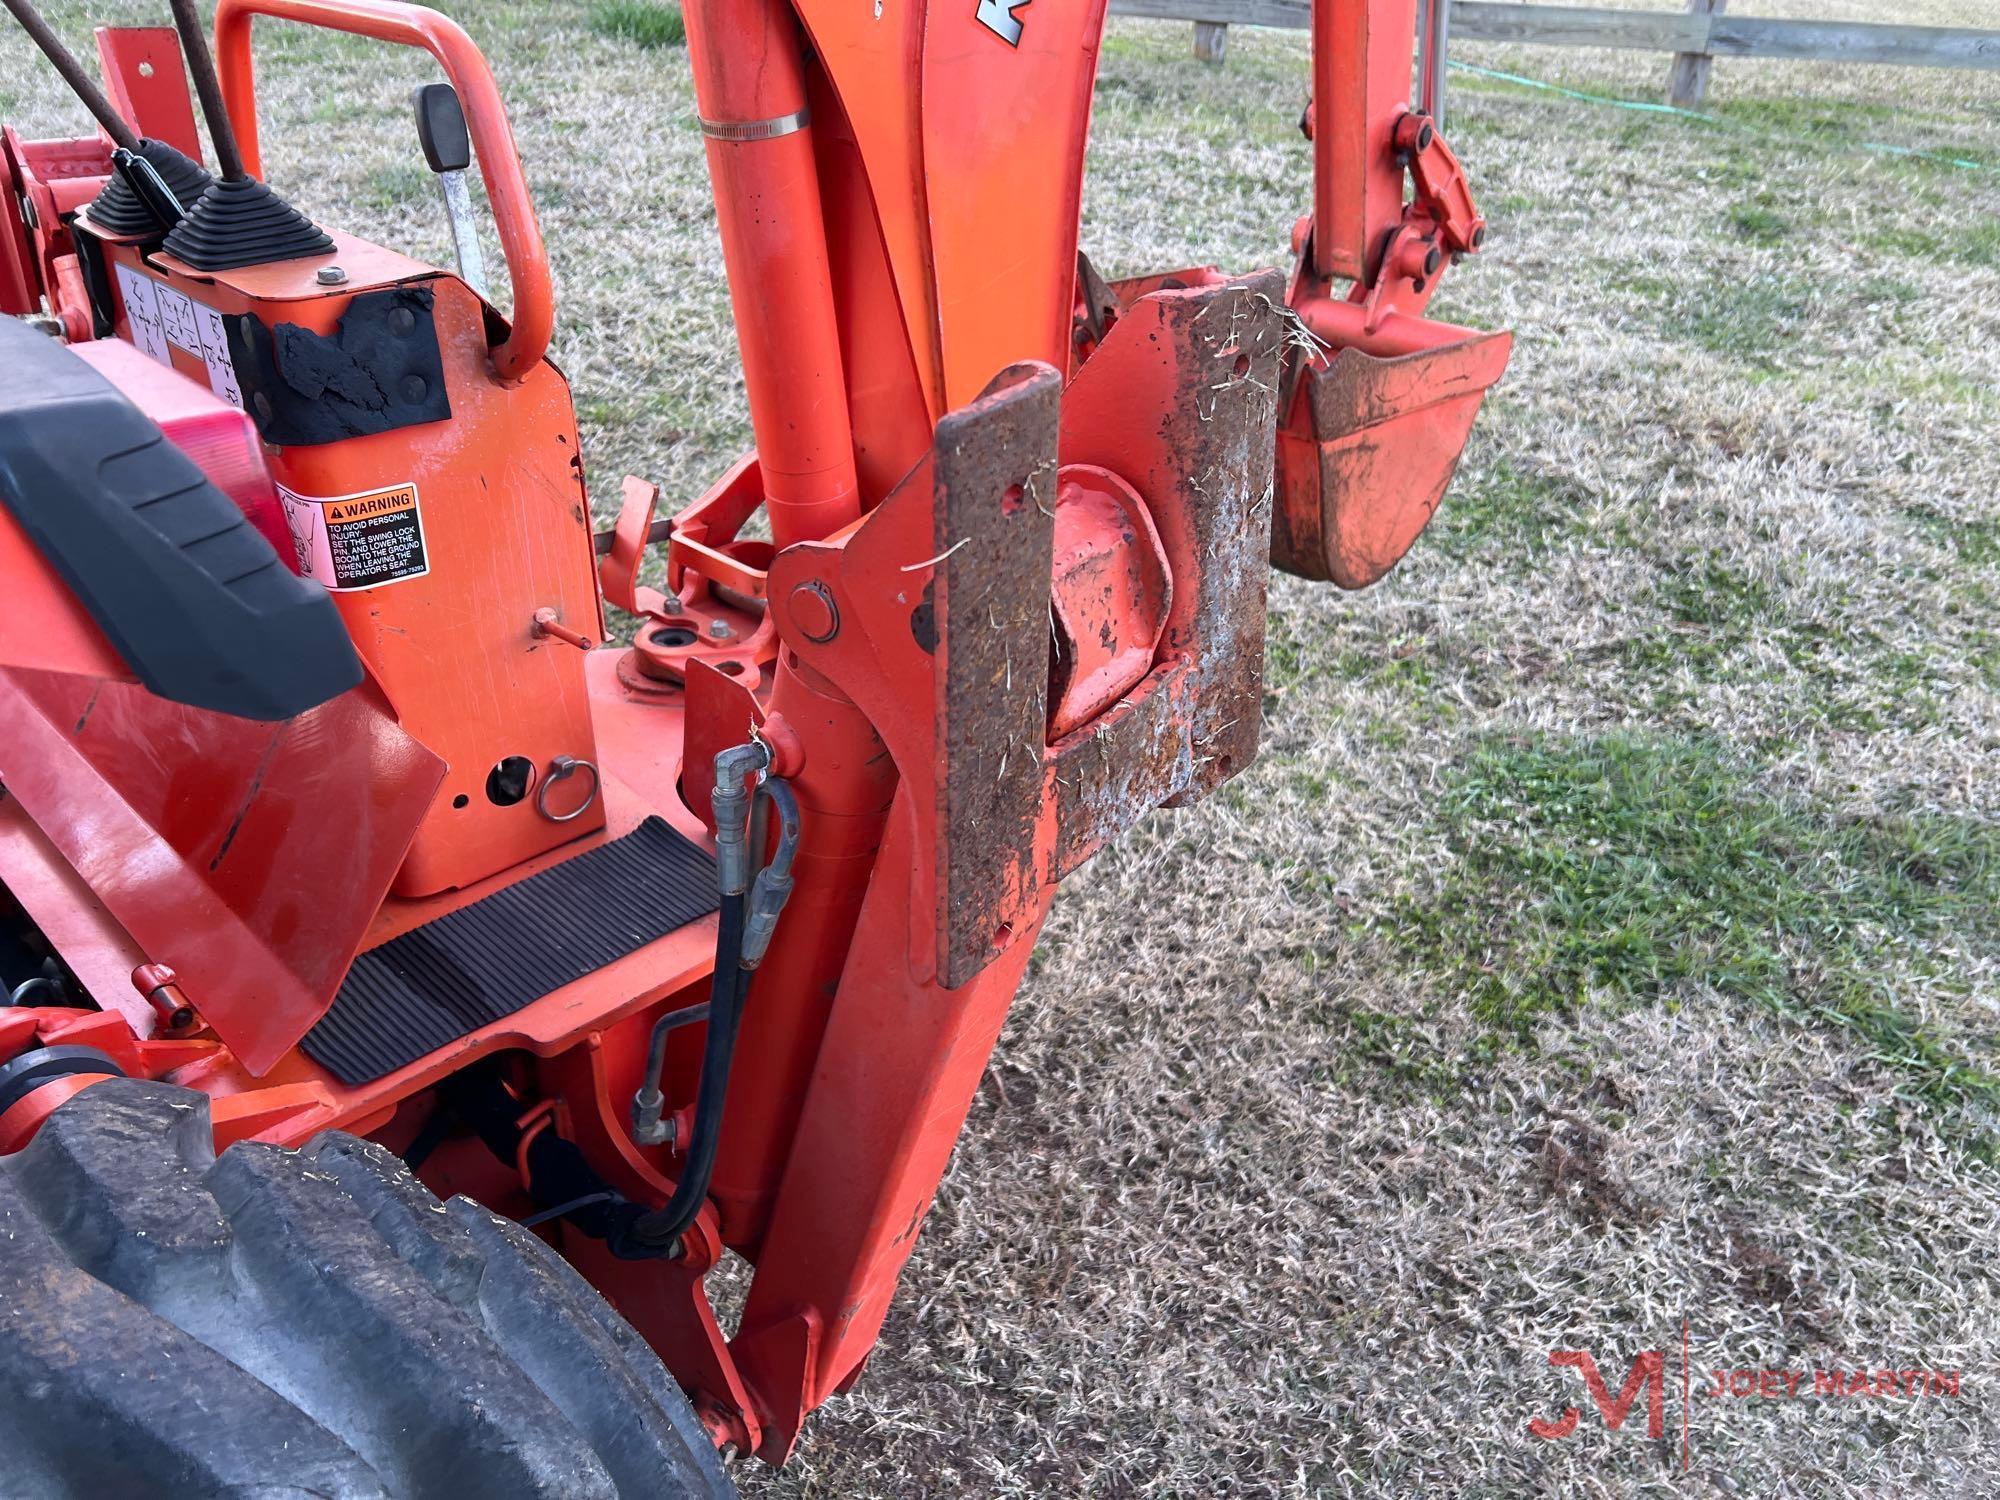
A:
[296,1323]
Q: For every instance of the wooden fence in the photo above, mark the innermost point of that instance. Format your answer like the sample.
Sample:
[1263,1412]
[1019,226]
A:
[1696,36]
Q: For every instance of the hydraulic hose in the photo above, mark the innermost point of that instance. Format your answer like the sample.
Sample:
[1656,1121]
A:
[648,1102]
[743,935]
[666,1224]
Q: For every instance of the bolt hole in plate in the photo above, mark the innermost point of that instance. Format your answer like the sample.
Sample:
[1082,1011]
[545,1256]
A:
[732,668]
[461,800]
[673,635]
[509,781]
[1011,501]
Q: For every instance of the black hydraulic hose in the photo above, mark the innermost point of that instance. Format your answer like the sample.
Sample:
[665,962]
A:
[656,1049]
[666,1224]
[742,935]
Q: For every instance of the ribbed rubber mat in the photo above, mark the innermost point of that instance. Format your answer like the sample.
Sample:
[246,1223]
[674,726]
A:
[469,968]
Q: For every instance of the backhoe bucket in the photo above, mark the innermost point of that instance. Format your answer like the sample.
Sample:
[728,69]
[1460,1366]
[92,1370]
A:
[1369,444]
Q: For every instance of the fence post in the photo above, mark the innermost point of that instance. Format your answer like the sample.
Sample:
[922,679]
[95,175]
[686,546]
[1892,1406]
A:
[1211,40]
[1688,82]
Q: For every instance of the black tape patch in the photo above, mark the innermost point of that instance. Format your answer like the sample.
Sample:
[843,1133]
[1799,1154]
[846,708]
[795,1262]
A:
[380,371]
[481,963]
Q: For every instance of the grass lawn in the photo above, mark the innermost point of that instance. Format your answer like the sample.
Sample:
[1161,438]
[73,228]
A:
[1608,936]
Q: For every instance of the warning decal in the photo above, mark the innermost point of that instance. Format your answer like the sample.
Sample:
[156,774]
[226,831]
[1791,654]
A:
[357,541]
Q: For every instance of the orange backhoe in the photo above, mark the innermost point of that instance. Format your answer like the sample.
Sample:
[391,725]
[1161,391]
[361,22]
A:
[351,868]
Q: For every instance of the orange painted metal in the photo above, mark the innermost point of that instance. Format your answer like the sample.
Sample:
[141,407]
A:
[1003,125]
[146,83]
[506,532]
[1110,591]
[715,612]
[532,316]
[1370,446]
[58,902]
[888,362]
[20,1121]
[22,277]
[46,182]
[43,183]
[1378,403]
[71,903]
[980,793]
[844,786]
[42,626]
[866,92]
[1361,74]
[970,147]
[749,84]
[255,868]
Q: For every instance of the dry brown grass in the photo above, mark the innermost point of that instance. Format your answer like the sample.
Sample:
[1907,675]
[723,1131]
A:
[1333,1105]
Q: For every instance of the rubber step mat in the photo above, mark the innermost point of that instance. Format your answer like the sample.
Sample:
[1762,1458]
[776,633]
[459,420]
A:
[474,966]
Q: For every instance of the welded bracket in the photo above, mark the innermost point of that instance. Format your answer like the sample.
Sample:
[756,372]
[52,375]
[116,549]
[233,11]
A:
[1180,401]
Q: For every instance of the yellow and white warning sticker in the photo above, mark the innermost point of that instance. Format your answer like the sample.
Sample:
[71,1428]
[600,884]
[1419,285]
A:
[358,541]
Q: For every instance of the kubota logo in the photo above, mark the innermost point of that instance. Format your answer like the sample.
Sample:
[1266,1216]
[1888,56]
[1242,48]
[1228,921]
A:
[998,17]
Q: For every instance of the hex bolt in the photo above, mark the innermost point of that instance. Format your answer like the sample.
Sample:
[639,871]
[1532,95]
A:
[330,276]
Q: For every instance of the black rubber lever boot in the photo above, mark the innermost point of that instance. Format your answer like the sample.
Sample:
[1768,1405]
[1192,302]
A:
[123,209]
[241,222]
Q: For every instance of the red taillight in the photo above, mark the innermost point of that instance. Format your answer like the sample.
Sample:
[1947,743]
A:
[221,439]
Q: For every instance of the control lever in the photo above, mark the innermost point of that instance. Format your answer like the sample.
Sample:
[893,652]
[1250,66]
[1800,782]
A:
[151,189]
[448,150]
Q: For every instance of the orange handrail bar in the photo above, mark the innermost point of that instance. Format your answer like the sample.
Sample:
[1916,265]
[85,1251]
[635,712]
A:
[485,117]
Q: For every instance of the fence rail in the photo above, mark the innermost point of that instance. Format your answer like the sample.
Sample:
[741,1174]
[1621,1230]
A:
[1699,33]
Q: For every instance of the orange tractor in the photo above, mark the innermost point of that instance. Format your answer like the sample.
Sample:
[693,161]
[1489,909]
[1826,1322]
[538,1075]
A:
[350,866]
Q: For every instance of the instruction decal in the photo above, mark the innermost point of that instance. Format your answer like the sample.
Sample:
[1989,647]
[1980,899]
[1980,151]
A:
[142,313]
[357,541]
[163,319]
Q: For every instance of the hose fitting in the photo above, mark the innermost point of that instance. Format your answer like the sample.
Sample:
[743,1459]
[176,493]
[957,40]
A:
[773,886]
[731,801]
[647,1106]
